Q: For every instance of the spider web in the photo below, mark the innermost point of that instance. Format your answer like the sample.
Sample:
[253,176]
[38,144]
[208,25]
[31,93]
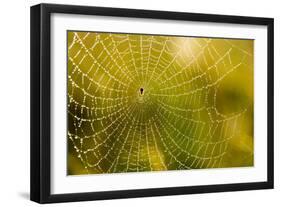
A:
[149,102]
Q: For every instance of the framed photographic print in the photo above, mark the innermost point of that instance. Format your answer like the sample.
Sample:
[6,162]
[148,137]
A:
[132,103]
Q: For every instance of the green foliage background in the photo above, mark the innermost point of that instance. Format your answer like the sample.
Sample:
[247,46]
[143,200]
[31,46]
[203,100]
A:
[150,103]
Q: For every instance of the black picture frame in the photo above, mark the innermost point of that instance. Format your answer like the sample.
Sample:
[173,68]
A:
[41,95]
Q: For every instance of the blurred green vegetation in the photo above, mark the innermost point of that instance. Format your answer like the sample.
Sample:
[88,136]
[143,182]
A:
[150,103]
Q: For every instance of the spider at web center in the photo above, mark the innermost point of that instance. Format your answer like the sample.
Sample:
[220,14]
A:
[142,95]
[141,91]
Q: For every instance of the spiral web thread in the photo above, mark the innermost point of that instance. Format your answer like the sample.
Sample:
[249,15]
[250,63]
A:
[174,123]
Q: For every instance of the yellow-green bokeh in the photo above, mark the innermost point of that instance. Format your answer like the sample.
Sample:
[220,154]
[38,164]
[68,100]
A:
[151,103]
